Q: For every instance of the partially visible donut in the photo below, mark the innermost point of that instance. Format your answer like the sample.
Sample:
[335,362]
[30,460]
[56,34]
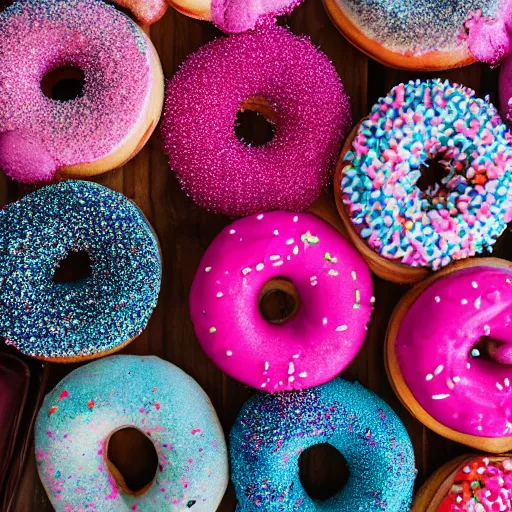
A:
[426,35]
[75,429]
[281,76]
[97,314]
[272,431]
[425,179]
[119,93]
[329,290]
[441,349]
[146,11]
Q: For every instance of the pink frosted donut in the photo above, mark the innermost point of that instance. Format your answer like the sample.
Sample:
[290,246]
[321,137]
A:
[453,350]
[42,44]
[304,258]
[273,72]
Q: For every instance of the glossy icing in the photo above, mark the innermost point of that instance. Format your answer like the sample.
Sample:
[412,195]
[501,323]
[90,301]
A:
[320,340]
[147,393]
[435,348]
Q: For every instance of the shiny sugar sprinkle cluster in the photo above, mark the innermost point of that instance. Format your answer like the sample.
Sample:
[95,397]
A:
[484,485]
[421,129]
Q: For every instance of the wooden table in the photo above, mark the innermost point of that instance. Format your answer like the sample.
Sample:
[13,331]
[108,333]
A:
[185,231]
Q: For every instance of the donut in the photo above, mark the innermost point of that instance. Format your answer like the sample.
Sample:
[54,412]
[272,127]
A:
[429,35]
[146,11]
[470,483]
[438,358]
[77,453]
[88,317]
[328,284]
[283,77]
[45,44]
[425,179]
[234,16]
[272,431]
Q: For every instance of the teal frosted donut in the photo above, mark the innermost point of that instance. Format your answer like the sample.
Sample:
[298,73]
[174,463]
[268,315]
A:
[90,316]
[78,417]
[272,431]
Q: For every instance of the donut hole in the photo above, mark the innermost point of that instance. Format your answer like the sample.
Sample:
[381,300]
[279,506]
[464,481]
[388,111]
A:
[492,349]
[278,301]
[255,122]
[323,471]
[433,171]
[132,460]
[65,83]
[75,266]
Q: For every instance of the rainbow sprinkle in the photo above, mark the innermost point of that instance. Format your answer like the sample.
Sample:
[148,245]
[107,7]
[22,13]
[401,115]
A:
[416,124]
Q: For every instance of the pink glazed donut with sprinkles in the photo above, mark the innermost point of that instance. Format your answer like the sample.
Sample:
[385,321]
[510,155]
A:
[316,328]
[45,131]
[279,75]
[449,353]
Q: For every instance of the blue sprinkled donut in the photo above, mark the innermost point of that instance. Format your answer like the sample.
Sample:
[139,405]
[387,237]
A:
[91,316]
[78,417]
[272,431]
[416,125]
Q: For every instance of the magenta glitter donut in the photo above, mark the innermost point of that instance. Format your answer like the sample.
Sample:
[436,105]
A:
[107,122]
[298,87]
[308,260]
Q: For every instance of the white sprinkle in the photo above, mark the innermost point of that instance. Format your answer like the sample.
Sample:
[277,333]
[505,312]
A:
[440,397]
[267,365]
[450,384]
[333,272]
[478,302]
[508,281]
[229,353]
[276,232]
[314,283]
[213,330]
[468,366]
[487,329]
[259,267]
[280,382]
[439,369]
[499,386]
[246,270]
[474,284]
[479,427]
[291,368]
[303,375]
[353,274]
[295,356]
[278,263]
[464,302]
[288,258]
[296,250]
[264,385]
[275,257]
[289,241]
[324,321]
[207,269]
[437,299]
[240,239]
[291,378]
[232,231]
[342,328]
[429,377]
[295,219]
[507,382]
[372,300]
[220,294]
[260,216]
[456,378]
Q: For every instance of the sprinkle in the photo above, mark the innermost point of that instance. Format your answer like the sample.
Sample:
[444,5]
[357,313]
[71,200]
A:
[330,258]
[295,219]
[333,272]
[429,377]
[229,353]
[246,270]
[278,263]
[440,397]
[90,405]
[475,352]
[207,269]
[487,329]
[456,379]
[276,232]
[303,375]
[291,378]
[324,321]
[478,302]
[220,294]
[259,267]
[309,238]
[52,410]
[213,330]
[267,365]
[289,241]
[439,369]
[260,216]
[437,299]
[353,274]
[464,302]
[341,328]
[232,231]
[275,257]
[499,386]
[474,284]
[291,368]
[296,250]
[295,356]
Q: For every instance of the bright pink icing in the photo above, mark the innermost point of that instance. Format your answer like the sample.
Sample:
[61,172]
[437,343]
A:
[37,36]
[435,347]
[146,11]
[222,173]
[333,284]
[233,16]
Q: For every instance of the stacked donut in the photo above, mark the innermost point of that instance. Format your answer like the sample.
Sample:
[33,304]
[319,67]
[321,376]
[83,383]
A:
[281,300]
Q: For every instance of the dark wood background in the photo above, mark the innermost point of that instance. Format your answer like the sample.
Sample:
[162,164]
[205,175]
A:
[185,231]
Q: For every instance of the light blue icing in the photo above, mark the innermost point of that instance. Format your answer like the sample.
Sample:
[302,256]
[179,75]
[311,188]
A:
[272,431]
[147,393]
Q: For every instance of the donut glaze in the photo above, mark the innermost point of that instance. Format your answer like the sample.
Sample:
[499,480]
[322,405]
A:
[84,318]
[120,102]
[312,114]
[272,431]
[321,339]
[438,360]
[79,415]
[416,126]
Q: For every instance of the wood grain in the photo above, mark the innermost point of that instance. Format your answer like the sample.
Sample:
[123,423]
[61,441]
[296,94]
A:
[185,231]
